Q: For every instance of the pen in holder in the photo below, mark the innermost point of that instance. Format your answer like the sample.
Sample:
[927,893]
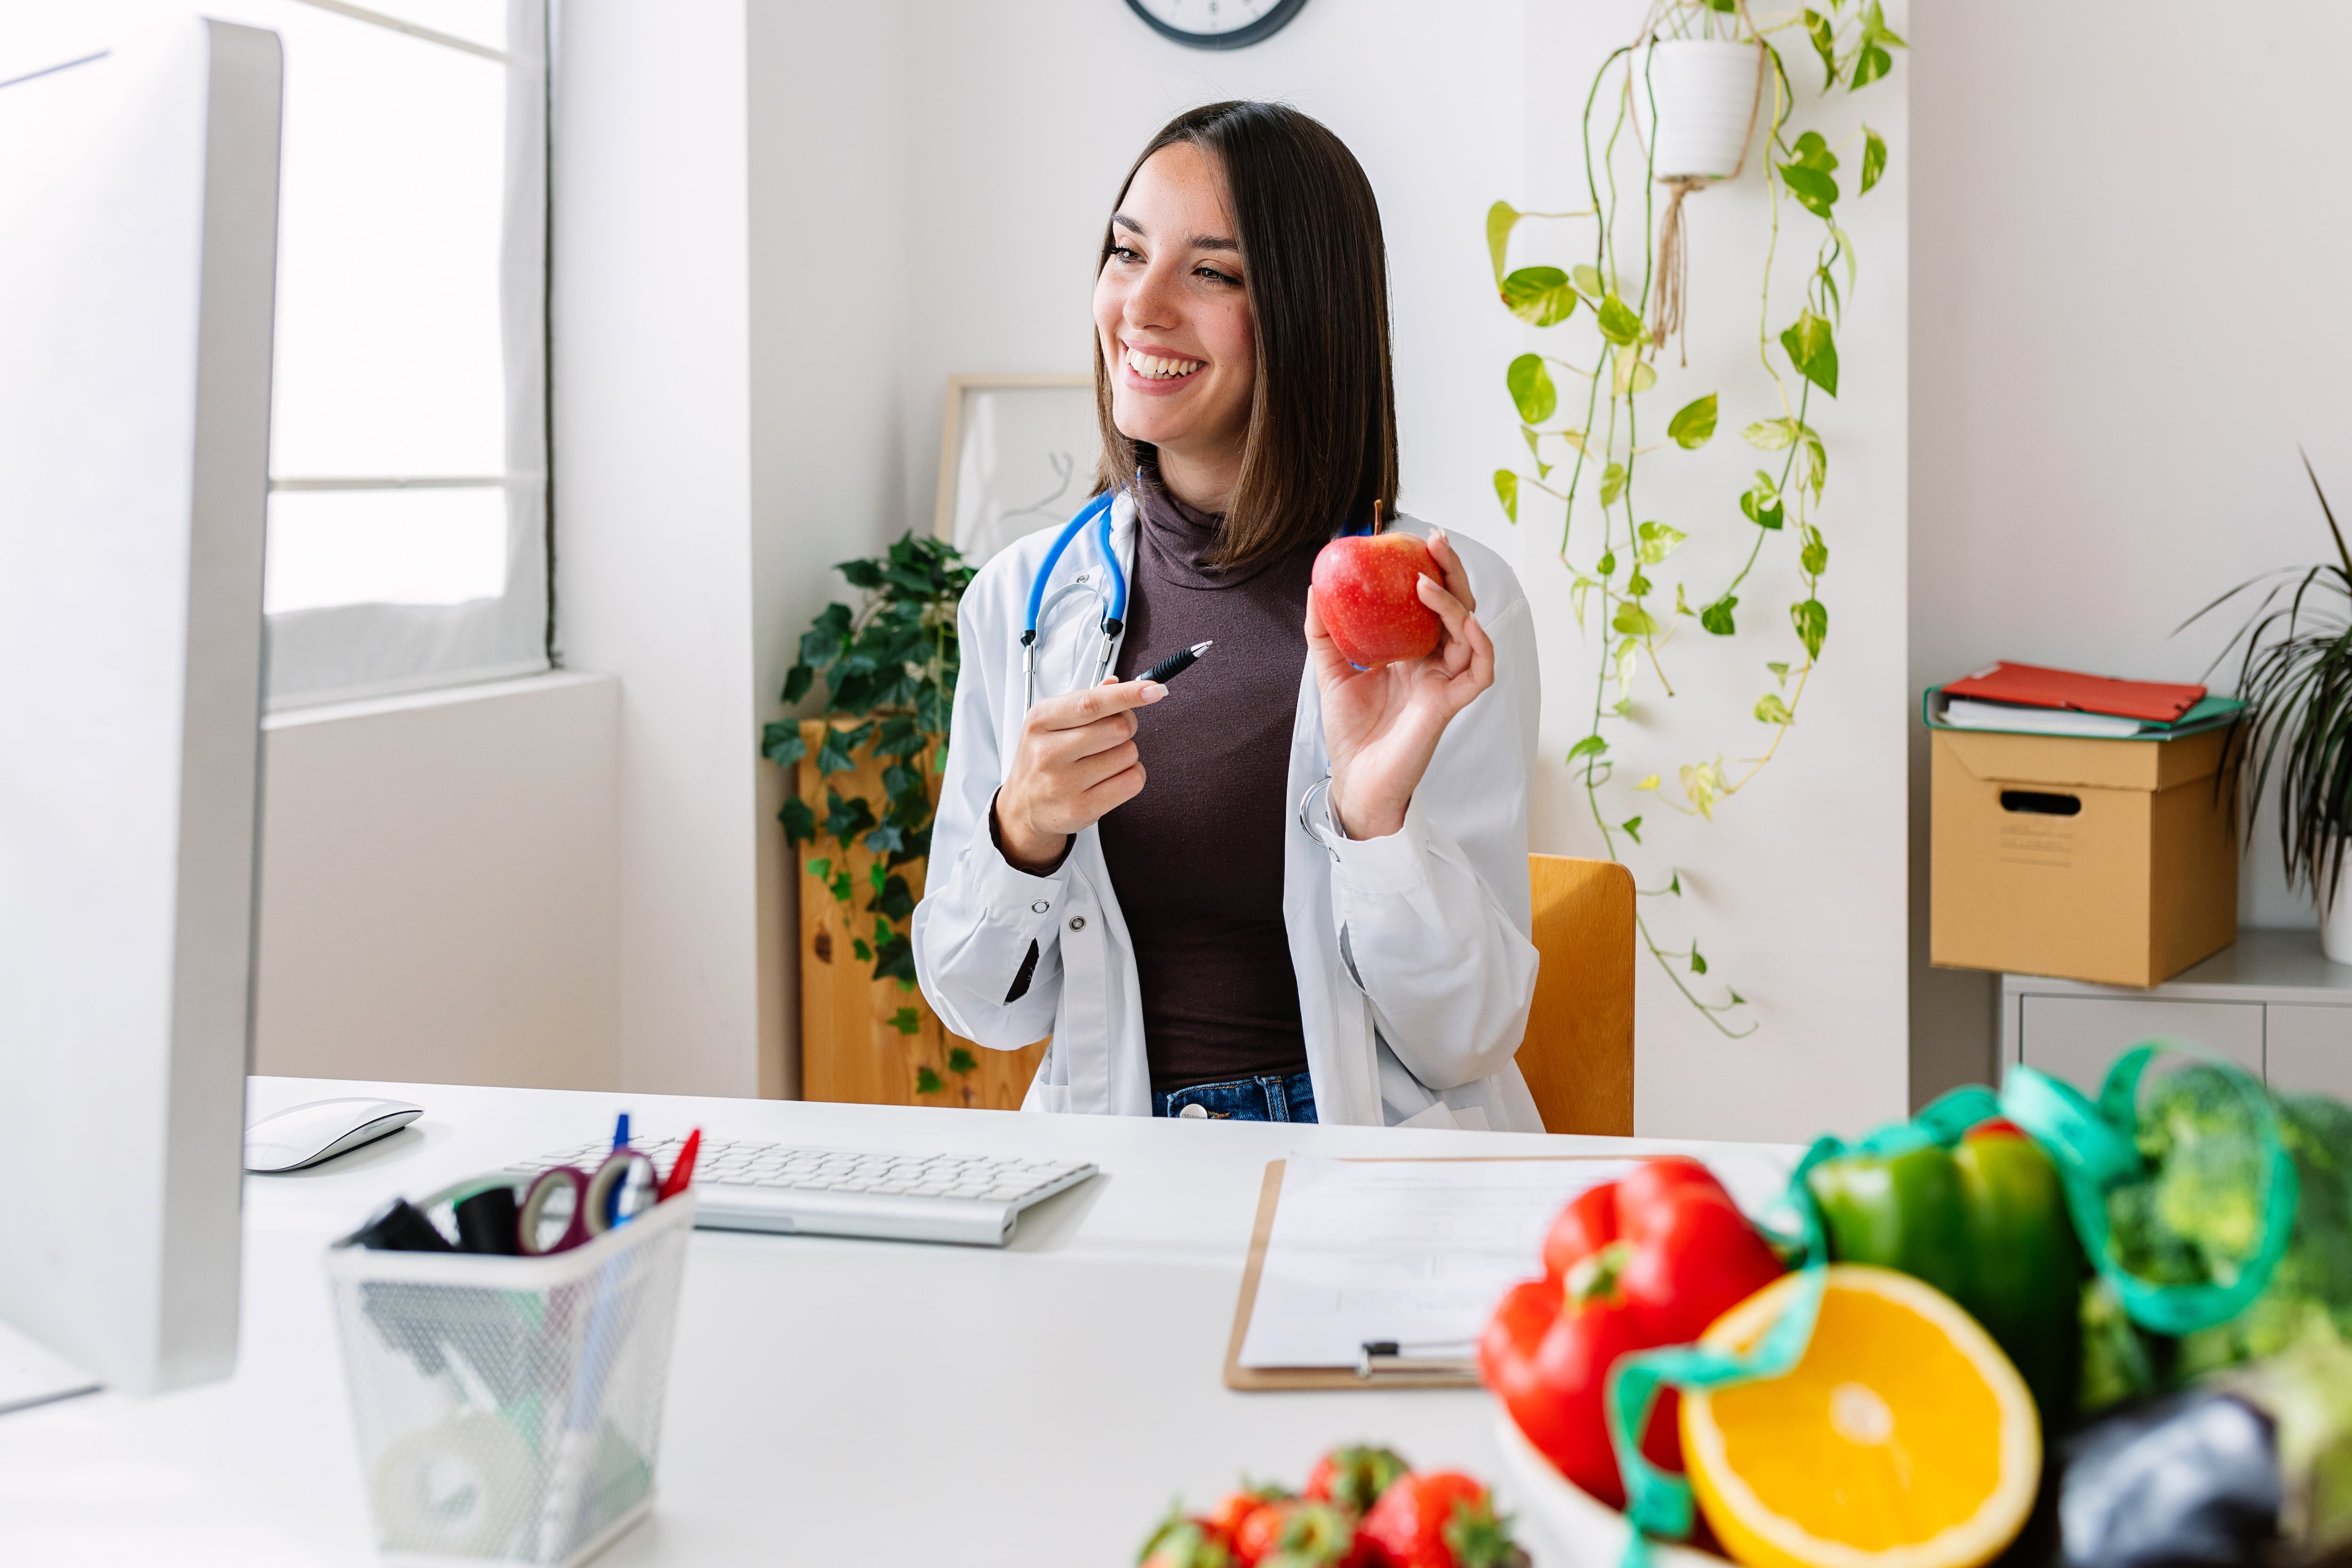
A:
[509,1409]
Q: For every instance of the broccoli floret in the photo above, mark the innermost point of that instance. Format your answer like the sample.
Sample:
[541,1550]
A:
[2200,1214]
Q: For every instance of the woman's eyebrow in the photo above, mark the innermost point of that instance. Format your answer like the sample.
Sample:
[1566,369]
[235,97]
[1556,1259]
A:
[1212,242]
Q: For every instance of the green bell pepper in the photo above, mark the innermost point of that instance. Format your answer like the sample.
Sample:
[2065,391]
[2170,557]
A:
[1985,1223]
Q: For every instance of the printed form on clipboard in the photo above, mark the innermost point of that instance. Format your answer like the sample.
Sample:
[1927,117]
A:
[1407,1256]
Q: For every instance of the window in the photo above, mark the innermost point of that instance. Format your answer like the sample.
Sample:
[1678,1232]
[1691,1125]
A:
[408,499]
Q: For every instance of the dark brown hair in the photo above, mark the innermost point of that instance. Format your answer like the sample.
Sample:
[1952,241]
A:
[1321,447]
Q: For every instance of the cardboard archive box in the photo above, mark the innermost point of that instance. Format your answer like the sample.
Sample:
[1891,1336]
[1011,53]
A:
[2105,860]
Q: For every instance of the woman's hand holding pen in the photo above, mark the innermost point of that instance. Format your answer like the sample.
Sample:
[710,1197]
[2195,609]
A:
[1381,725]
[1074,763]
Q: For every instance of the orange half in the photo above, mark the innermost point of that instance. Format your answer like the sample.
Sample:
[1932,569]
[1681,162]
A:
[1903,1440]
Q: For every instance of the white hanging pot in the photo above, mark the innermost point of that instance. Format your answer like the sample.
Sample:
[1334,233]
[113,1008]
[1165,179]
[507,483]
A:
[1707,93]
[2335,916]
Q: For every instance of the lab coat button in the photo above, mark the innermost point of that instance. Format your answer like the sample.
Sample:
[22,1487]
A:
[1040,907]
[1077,922]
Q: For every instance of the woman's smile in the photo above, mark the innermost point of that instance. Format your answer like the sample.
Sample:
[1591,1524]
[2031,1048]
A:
[1156,370]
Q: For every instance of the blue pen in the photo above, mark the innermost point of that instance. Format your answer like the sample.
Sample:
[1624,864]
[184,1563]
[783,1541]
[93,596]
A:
[621,1132]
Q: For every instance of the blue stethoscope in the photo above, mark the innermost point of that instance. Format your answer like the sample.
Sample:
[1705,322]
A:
[1096,511]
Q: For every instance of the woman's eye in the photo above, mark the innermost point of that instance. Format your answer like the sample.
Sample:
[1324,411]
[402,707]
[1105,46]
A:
[1123,253]
[1213,274]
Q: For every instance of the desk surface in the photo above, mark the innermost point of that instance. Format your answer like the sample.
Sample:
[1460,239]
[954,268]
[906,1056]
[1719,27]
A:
[831,1401]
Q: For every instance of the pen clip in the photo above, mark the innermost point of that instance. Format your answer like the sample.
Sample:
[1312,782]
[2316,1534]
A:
[1386,1358]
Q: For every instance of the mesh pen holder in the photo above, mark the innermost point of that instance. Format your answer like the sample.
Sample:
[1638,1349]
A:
[508,1409]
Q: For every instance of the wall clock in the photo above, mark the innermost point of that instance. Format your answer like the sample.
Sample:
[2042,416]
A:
[1217,23]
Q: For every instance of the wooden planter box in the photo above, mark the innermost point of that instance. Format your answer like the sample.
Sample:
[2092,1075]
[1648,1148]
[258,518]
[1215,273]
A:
[852,1047]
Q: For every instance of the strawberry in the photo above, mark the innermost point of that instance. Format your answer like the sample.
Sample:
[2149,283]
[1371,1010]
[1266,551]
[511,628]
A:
[1442,1519]
[1237,1521]
[1183,1542]
[1355,1477]
[1299,1533]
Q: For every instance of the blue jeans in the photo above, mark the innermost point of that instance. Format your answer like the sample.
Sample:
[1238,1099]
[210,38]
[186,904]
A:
[1269,1098]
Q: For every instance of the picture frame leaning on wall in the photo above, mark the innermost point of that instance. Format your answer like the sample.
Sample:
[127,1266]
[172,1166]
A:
[1017,453]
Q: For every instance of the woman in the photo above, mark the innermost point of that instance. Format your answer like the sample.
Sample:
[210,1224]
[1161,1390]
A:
[1284,889]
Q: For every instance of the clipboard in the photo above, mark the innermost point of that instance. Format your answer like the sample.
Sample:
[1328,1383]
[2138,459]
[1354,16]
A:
[1375,1371]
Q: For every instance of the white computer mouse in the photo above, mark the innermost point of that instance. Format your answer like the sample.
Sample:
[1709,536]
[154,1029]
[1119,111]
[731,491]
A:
[304,1135]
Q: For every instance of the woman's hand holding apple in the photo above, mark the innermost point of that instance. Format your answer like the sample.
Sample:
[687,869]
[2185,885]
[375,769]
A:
[1381,725]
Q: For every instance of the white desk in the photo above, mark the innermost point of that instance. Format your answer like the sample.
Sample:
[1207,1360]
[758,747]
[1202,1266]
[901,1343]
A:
[831,1401]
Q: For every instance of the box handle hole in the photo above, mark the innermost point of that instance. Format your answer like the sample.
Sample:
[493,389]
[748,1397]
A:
[2040,801]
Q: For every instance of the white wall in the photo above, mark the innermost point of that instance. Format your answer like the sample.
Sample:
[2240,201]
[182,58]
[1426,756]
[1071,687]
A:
[829,275]
[439,888]
[653,496]
[2128,306]
[1020,121]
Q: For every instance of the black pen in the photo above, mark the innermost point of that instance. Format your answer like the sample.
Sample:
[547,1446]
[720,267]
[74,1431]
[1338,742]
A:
[1176,663]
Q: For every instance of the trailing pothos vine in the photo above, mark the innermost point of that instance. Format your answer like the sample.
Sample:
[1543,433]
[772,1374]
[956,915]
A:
[890,665]
[1627,297]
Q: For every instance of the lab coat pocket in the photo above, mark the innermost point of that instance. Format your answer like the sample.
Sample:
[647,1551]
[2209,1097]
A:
[1042,1096]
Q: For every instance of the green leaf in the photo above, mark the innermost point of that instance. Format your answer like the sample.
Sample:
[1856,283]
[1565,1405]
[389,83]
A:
[1607,564]
[874,876]
[1501,218]
[1632,828]
[1698,965]
[1816,192]
[844,819]
[821,867]
[1824,41]
[840,886]
[1813,623]
[834,753]
[797,681]
[1612,485]
[1506,491]
[1815,556]
[1763,513]
[1845,249]
[1717,617]
[907,1021]
[961,1059]
[1817,460]
[1738,1000]
[1635,621]
[1619,324]
[1589,283]
[1531,389]
[1622,707]
[1532,437]
[893,897]
[895,960]
[1812,151]
[1814,351]
[1632,374]
[1873,158]
[1695,425]
[1637,585]
[1577,591]
[1771,435]
[1590,746]
[1658,541]
[857,945]
[1770,709]
[927,1081]
[1674,885]
[1682,605]
[1540,296]
[800,822]
[1780,672]
[782,744]
[1870,63]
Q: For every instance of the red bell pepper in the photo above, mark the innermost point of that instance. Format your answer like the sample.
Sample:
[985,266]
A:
[1650,1261]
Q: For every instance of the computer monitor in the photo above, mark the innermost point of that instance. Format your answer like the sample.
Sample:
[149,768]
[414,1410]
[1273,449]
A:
[138,242]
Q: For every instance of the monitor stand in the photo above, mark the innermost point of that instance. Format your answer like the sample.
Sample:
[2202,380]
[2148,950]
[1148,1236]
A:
[32,1373]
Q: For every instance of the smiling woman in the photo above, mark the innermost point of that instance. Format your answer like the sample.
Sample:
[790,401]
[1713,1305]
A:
[1296,890]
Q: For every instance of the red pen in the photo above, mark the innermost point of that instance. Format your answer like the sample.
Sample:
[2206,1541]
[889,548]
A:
[682,1171]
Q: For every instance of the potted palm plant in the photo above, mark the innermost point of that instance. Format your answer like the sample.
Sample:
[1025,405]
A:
[2296,676]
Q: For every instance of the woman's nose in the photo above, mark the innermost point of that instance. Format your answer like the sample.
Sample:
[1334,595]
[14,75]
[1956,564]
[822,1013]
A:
[1154,302]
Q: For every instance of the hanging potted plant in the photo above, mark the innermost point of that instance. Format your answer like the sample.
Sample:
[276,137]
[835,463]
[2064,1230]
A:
[866,780]
[2296,676]
[1695,106]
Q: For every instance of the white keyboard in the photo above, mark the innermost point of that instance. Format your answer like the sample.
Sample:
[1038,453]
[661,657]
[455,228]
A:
[744,1185]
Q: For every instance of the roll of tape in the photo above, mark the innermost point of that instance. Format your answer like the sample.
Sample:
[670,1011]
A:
[460,1487]
[545,1225]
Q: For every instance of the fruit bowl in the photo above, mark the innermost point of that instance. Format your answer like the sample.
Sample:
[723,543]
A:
[1564,1526]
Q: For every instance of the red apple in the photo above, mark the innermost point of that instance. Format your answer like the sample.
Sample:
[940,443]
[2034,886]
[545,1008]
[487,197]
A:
[1364,591]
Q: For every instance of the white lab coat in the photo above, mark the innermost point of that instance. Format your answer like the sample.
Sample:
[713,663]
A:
[1414,966]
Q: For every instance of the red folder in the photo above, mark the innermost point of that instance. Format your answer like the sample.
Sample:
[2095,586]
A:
[2030,686]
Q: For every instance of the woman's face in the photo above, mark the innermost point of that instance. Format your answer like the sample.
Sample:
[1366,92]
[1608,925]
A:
[1171,309]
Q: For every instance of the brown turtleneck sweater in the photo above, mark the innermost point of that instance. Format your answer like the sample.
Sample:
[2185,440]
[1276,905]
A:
[1196,859]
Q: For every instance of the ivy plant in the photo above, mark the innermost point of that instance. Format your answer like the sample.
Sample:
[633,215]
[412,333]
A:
[1619,588]
[889,667]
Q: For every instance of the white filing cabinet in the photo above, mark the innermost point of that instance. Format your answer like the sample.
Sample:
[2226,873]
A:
[2272,1003]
